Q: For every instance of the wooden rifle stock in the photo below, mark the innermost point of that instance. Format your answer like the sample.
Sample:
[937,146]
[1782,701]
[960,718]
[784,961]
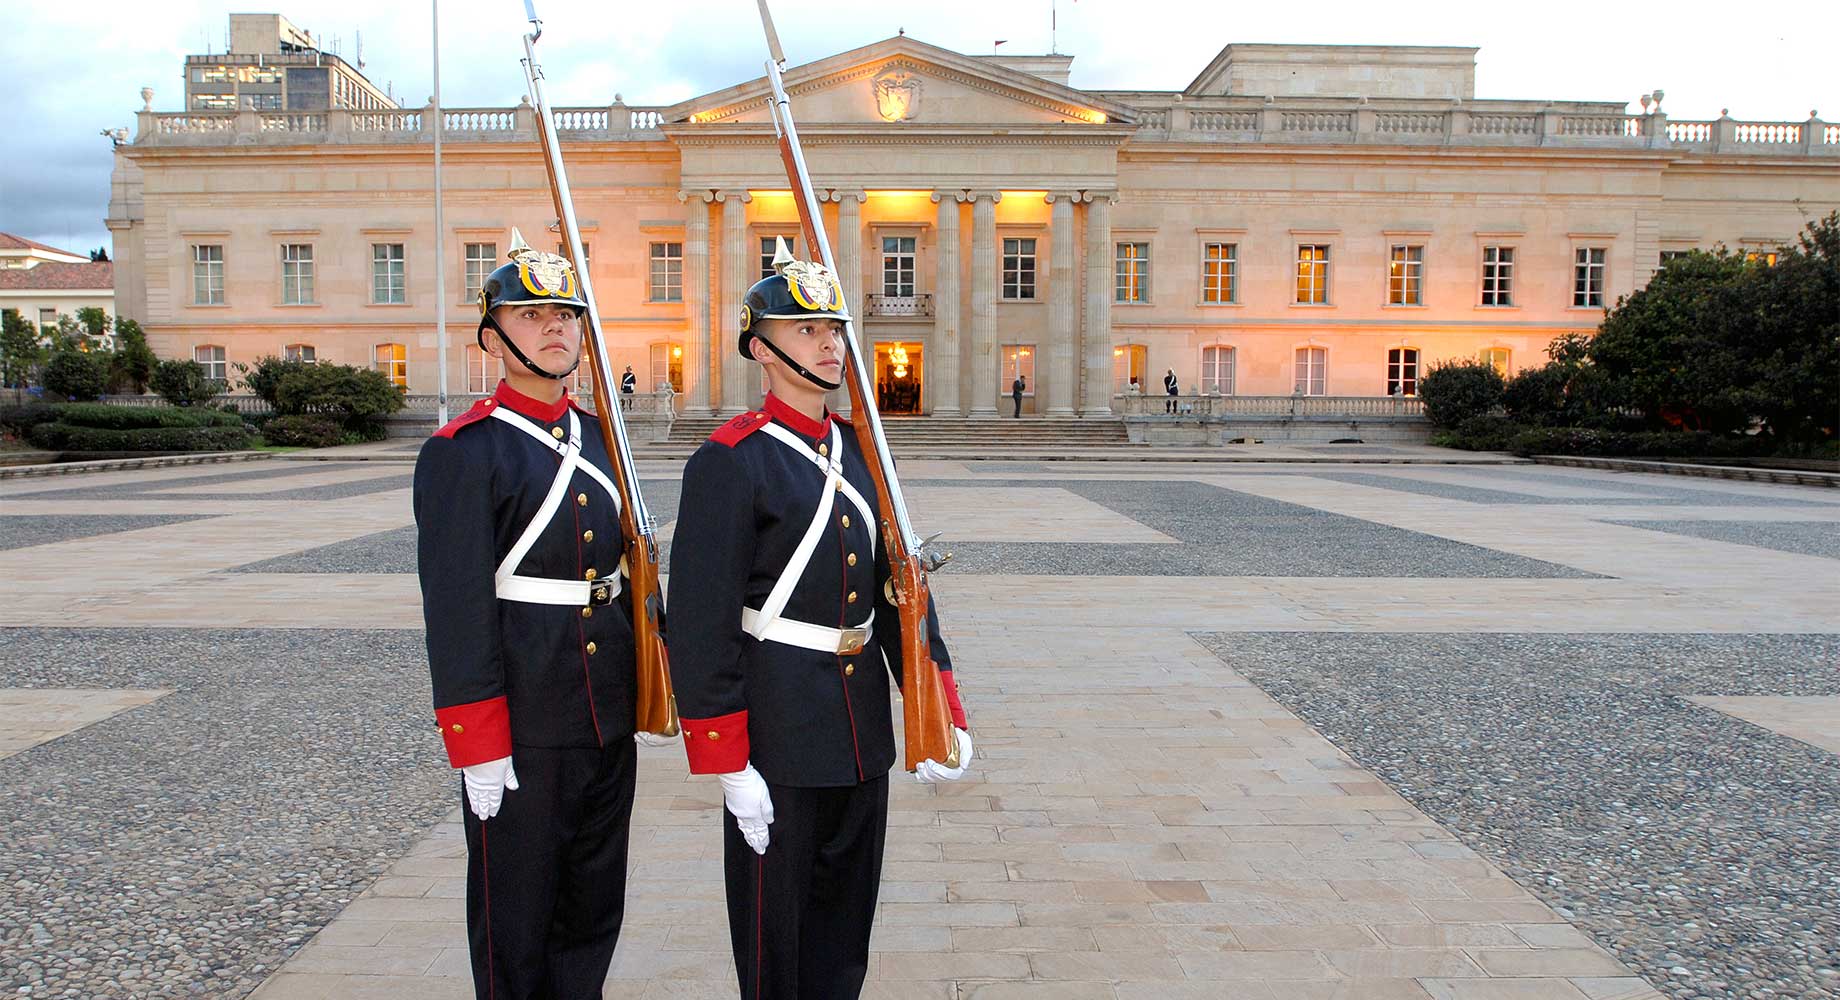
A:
[656,706]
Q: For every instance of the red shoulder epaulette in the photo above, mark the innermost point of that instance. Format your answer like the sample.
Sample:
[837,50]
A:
[480,411]
[840,418]
[732,432]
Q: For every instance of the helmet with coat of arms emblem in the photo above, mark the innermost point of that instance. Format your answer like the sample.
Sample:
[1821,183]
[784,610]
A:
[800,289]
[532,277]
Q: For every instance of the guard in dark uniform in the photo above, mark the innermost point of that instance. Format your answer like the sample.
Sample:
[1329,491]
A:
[531,647]
[782,648]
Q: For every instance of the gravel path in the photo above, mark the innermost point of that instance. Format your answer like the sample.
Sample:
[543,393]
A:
[186,847]
[18,531]
[1811,538]
[1505,494]
[1702,850]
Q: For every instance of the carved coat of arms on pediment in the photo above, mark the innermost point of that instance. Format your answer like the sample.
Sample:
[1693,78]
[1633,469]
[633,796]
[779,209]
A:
[897,94]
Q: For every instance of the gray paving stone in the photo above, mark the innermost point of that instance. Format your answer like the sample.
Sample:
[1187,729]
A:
[1812,538]
[18,531]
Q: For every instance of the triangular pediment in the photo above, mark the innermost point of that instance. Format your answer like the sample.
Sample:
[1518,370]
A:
[905,81]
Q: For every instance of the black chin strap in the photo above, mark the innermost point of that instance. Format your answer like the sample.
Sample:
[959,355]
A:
[487,320]
[804,372]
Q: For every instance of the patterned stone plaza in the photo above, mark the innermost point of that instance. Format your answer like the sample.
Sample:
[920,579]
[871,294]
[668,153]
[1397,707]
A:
[1264,731]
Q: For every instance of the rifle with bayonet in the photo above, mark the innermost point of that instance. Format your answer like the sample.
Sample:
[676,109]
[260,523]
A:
[656,706]
[925,716]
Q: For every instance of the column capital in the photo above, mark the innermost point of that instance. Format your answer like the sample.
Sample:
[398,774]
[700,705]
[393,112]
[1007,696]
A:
[956,194]
[976,195]
[705,194]
[840,194]
[1111,197]
[740,195]
[1070,196]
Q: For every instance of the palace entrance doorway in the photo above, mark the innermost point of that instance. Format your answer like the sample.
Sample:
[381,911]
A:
[898,378]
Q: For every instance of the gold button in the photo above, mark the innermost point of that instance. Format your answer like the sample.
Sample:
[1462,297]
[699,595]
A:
[556,432]
[852,597]
[846,520]
[588,536]
[457,728]
[848,669]
[589,575]
[824,449]
[438,729]
[587,612]
[714,735]
[591,648]
[852,559]
[581,499]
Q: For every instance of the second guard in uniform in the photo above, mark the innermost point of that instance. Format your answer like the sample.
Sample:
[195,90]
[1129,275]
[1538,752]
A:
[530,643]
[780,632]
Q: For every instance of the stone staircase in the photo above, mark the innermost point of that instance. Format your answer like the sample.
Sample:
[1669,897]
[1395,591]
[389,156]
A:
[949,436]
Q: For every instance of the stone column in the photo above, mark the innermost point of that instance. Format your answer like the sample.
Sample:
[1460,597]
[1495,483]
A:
[847,247]
[984,303]
[697,366]
[1063,373]
[740,379]
[1096,393]
[942,354]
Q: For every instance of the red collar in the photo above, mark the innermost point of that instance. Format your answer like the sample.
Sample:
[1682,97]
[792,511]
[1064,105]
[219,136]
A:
[535,409]
[792,418]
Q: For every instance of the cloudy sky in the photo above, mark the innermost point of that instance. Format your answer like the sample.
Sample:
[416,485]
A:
[71,69]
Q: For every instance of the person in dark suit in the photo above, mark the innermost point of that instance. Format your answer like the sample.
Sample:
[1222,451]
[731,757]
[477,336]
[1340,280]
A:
[1015,392]
[1171,389]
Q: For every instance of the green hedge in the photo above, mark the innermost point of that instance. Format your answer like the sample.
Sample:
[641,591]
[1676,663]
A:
[1638,444]
[103,416]
[21,418]
[70,437]
[303,432]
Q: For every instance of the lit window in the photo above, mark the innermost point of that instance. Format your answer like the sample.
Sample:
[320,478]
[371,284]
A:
[1588,277]
[1217,363]
[296,274]
[1401,372]
[1018,359]
[388,286]
[1220,272]
[303,353]
[1128,364]
[1497,276]
[393,361]
[1405,275]
[1768,257]
[1496,358]
[667,367]
[898,265]
[481,259]
[1018,268]
[211,357]
[1311,371]
[208,274]
[1313,273]
[1131,272]
[667,275]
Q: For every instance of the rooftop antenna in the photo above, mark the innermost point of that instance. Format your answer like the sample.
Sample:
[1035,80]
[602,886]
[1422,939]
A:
[1053,28]
[360,51]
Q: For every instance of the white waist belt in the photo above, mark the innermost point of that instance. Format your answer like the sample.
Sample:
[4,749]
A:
[842,641]
[573,593]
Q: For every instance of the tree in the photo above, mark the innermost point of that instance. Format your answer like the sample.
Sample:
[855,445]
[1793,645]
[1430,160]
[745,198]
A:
[131,366]
[1455,391]
[183,383]
[68,336]
[1793,345]
[100,254]
[94,321]
[20,351]
[77,375]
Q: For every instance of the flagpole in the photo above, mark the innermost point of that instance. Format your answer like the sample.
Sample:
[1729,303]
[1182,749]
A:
[440,234]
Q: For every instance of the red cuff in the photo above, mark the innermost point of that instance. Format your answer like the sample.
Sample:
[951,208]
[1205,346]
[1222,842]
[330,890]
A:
[958,710]
[476,732]
[718,745]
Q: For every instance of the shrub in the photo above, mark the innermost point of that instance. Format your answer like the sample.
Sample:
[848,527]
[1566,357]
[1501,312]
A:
[183,383]
[132,364]
[104,416]
[357,398]
[1536,396]
[19,419]
[1489,432]
[70,437]
[75,375]
[303,431]
[263,379]
[1638,444]
[1455,391]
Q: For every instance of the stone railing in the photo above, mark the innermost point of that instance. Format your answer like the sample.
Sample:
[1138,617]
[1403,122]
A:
[340,125]
[1332,407]
[418,404]
[899,305]
[1175,118]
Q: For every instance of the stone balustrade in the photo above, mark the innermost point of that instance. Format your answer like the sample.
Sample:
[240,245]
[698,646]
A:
[341,125]
[1157,405]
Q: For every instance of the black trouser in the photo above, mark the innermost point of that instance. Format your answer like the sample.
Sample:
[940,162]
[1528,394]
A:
[1018,400]
[799,916]
[546,877]
[1170,405]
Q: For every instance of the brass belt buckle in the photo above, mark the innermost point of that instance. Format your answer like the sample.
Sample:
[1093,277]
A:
[851,641]
[600,594]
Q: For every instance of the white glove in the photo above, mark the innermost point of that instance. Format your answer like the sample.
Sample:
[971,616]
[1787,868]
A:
[645,739]
[745,794]
[931,772]
[486,784]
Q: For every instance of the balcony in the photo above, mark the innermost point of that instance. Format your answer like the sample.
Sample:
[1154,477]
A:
[902,306]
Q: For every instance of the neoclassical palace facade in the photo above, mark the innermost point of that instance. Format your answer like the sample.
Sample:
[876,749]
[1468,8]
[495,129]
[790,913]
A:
[1323,220]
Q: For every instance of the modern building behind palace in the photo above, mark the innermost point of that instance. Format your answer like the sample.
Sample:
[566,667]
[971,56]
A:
[1329,220]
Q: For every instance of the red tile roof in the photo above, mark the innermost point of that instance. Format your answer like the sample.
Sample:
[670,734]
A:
[10,242]
[55,276]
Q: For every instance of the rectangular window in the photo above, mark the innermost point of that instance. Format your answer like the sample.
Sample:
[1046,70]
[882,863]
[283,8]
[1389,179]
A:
[300,352]
[1405,275]
[1667,255]
[1588,277]
[1496,358]
[667,275]
[1018,268]
[1220,272]
[207,274]
[481,370]
[393,361]
[1128,364]
[1497,276]
[296,274]
[768,247]
[1018,359]
[1131,272]
[668,365]
[212,358]
[481,258]
[1311,372]
[388,285]
[1313,273]
[47,320]
[1402,371]
[898,265]
[1768,257]
[1217,363]
[587,251]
